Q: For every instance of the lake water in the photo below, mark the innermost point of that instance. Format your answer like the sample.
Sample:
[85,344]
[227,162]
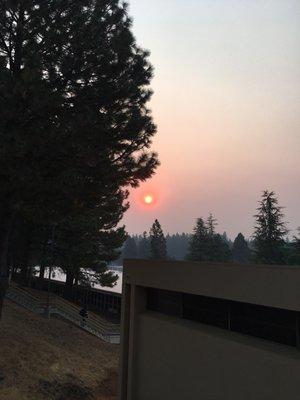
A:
[60,276]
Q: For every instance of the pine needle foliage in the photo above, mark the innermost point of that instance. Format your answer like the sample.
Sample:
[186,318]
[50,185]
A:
[158,246]
[270,230]
[75,127]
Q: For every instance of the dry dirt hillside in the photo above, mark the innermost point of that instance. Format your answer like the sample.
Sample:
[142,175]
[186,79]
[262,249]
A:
[44,359]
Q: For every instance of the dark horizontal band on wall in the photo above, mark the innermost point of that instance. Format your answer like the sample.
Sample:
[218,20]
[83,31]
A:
[274,324]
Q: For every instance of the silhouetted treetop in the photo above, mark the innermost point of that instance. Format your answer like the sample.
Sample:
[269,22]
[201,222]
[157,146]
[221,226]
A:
[240,250]
[158,248]
[206,244]
[74,121]
[270,230]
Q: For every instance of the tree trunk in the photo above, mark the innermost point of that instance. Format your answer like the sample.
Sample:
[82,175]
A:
[41,278]
[5,230]
[40,282]
[77,278]
[26,253]
[42,272]
[68,289]
[24,274]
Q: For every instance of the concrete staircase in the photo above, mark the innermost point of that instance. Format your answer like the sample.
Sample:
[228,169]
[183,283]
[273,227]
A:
[37,303]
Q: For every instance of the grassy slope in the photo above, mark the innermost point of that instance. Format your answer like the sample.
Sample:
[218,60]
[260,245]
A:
[51,359]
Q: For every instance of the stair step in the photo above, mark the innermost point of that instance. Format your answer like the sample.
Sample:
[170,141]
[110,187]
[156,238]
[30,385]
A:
[96,326]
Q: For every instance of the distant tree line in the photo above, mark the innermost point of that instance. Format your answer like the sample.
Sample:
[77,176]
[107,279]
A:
[268,244]
[141,246]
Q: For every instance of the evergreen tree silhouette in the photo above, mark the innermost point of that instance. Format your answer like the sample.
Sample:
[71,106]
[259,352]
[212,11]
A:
[240,250]
[206,244]
[211,224]
[227,239]
[296,249]
[158,248]
[177,246]
[270,230]
[130,248]
[144,246]
[292,250]
[75,126]
[218,249]
[198,242]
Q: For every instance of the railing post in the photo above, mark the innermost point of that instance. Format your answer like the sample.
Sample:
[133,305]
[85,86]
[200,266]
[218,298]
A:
[48,306]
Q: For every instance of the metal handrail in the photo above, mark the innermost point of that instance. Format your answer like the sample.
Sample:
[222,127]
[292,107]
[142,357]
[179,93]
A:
[107,332]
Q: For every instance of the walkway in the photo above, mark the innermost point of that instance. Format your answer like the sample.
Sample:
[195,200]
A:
[36,302]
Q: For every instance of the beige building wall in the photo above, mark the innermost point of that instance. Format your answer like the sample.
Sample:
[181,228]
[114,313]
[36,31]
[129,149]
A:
[168,358]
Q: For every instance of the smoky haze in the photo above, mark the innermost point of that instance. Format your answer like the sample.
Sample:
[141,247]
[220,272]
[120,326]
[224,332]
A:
[226,102]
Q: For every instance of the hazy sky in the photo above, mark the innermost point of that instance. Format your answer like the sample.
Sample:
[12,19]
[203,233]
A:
[227,106]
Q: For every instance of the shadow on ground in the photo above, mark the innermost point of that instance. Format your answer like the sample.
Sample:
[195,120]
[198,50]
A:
[53,360]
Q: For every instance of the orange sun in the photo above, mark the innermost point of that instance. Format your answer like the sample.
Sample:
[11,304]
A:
[148,199]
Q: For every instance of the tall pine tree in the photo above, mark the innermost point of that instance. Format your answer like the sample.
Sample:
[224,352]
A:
[144,246]
[198,245]
[158,247]
[211,224]
[74,124]
[270,230]
[85,245]
[206,244]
